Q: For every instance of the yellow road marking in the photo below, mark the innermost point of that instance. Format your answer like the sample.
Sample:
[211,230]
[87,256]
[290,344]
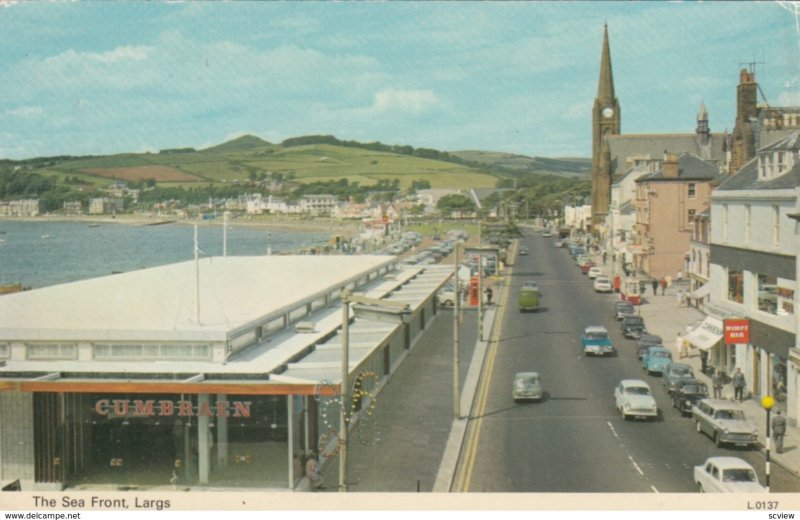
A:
[474,434]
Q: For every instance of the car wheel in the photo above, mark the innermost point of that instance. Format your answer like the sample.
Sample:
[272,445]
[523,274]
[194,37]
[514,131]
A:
[700,488]
[717,440]
[448,303]
[624,416]
[698,427]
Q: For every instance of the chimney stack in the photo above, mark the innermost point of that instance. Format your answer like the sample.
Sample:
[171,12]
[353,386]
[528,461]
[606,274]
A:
[671,165]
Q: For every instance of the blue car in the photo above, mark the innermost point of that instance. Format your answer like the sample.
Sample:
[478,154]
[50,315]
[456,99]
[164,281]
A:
[656,359]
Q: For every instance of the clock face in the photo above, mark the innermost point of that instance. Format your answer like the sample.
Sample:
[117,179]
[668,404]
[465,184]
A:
[608,112]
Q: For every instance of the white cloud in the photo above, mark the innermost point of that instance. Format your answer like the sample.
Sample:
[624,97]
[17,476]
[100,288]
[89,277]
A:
[25,112]
[789,98]
[414,101]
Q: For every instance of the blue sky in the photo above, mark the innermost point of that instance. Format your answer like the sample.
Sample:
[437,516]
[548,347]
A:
[84,78]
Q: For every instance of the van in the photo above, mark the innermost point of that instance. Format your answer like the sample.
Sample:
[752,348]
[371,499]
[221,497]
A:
[528,299]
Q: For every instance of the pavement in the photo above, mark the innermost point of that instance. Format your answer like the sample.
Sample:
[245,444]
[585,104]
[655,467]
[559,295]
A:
[406,458]
[663,317]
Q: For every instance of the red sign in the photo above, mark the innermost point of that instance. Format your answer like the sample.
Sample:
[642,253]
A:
[737,331]
[474,295]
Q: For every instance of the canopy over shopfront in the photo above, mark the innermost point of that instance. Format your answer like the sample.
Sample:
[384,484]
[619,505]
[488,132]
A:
[707,334]
[700,292]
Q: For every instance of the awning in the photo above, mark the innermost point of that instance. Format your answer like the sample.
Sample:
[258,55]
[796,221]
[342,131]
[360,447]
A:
[707,334]
[701,291]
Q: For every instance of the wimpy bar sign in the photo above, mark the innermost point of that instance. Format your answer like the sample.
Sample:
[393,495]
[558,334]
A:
[165,408]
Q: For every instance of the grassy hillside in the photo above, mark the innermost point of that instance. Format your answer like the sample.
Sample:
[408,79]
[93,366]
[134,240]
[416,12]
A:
[512,163]
[248,156]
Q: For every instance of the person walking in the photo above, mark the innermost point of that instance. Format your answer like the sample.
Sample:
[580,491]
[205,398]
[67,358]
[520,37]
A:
[663,284]
[312,471]
[489,294]
[738,385]
[716,382]
[778,430]
[679,298]
[655,286]
[605,255]
[681,346]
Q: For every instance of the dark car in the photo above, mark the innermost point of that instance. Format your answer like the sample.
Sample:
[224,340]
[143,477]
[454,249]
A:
[633,327]
[645,341]
[622,309]
[687,394]
[675,374]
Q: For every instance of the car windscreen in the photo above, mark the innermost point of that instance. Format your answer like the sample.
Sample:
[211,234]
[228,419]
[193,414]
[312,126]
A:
[681,371]
[637,390]
[695,389]
[659,353]
[596,335]
[738,475]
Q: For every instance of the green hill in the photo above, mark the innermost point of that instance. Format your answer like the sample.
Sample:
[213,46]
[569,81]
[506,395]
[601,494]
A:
[521,164]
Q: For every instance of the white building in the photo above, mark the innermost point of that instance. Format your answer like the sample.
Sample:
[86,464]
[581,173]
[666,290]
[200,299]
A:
[21,208]
[754,270]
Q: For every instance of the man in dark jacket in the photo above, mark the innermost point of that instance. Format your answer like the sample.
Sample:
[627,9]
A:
[778,430]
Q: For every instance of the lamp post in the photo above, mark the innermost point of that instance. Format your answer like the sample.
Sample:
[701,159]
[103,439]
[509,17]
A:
[768,402]
[371,309]
[456,373]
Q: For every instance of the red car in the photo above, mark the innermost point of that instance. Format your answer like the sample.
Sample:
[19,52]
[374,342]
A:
[586,266]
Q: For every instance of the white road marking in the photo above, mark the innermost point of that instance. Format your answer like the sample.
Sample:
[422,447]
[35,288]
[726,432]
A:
[612,429]
[636,466]
[654,489]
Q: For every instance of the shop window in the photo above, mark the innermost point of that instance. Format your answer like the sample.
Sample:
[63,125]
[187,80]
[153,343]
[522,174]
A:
[735,286]
[5,350]
[52,351]
[768,294]
[779,379]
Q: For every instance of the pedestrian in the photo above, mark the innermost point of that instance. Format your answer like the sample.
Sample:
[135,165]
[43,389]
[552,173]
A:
[641,287]
[655,286]
[738,385]
[489,294]
[679,298]
[778,430]
[716,382]
[704,361]
[312,471]
[680,346]
[663,284]
[668,279]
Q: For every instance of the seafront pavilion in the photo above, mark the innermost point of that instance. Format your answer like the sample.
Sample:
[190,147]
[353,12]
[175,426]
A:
[220,372]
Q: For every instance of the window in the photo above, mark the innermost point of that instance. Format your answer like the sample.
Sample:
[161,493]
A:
[153,351]
[776,226]
[768,293]
[736,286]
[692,188]
[5,350]
[747,222]
[52,351]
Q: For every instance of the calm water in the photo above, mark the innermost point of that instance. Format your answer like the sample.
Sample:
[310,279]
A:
[39,254]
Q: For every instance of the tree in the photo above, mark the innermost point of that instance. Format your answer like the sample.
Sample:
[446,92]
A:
[455,202]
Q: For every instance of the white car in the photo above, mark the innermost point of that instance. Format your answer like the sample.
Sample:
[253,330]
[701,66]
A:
[727,475]
[602,284]
[634,399]
[594,272]
[527,385]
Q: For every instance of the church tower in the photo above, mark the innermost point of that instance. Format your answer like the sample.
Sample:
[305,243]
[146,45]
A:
[605,122]
[743,146]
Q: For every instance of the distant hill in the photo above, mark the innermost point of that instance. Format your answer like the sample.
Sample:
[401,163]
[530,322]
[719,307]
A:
[245,142]
[514,163]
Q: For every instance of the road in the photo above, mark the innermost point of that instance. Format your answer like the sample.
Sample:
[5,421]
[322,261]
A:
[575,440]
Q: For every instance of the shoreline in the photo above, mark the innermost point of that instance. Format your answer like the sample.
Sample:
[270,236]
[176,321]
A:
[349,228]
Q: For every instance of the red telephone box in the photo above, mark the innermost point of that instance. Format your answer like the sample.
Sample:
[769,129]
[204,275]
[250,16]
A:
[474,293]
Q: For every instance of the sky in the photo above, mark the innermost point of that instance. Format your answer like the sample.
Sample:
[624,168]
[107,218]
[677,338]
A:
[94,78]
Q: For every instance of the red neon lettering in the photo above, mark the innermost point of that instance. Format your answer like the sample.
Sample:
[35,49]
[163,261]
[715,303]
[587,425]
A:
[241,408]
[143,407]
[185,409]
[121,407]
[101,407]
[204,410]
[222,409]
[166,408]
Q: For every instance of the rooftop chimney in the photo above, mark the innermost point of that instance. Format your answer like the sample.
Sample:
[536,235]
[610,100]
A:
[671,165]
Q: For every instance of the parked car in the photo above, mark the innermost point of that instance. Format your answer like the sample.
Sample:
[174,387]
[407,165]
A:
[594,272]
[623,309]
[674,374]
[687,394]
[558,243]
[632,327]
[727,475]
[634,399]
[447,295]
[527,386]
[656,359]
[523,251]
[587,265]
[595,341]
[724,422]
[602,284]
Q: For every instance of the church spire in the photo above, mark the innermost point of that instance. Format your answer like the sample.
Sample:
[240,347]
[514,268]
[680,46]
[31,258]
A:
[605,87]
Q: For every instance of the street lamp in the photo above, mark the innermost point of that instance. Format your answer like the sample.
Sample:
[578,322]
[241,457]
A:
[768,402]
[370,309]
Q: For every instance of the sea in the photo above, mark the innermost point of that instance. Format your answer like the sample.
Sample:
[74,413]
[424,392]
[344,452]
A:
[41,254]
